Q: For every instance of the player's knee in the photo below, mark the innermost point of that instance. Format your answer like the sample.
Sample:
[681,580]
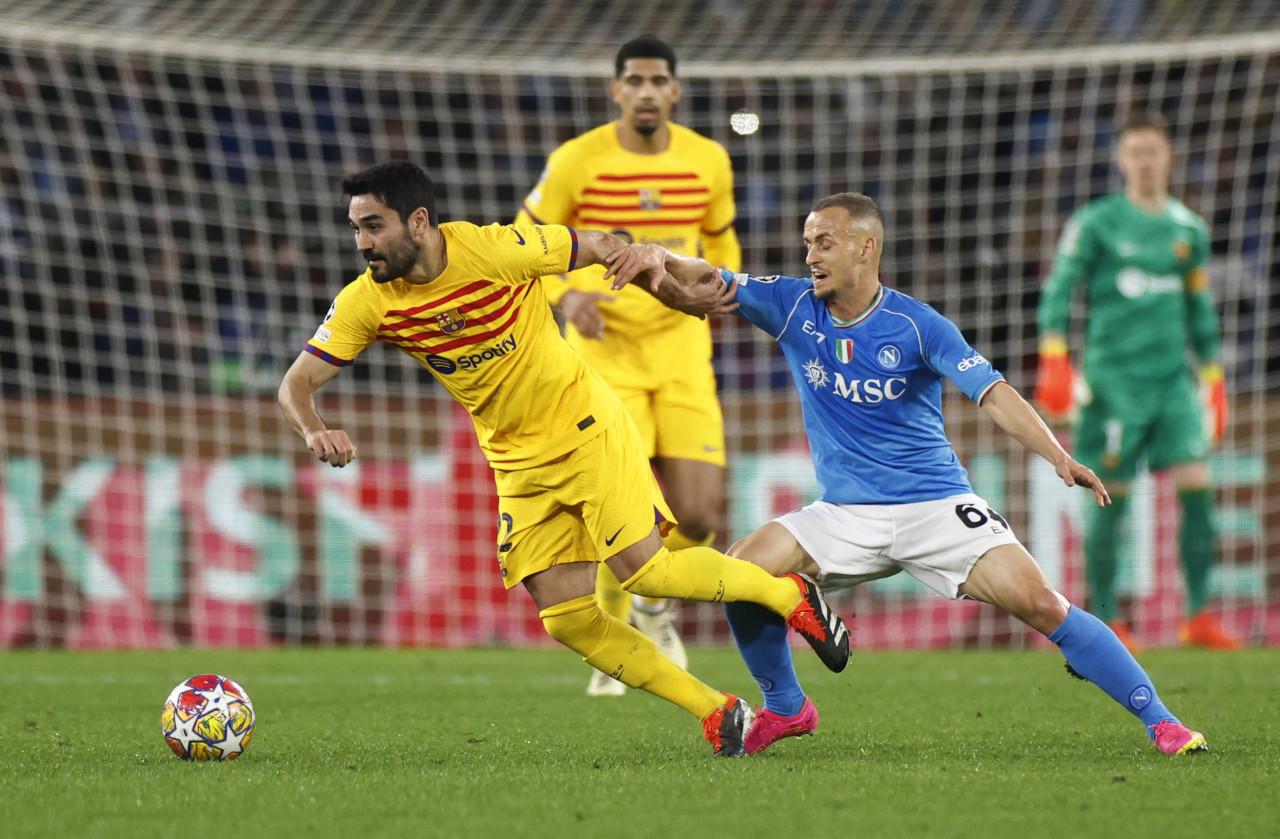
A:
[572,622]
[652,577]
[1045,610]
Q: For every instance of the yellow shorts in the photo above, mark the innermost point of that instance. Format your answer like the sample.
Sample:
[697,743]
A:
[584,506]
[681,418]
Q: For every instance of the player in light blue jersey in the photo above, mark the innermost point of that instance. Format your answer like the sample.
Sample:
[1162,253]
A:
[869,364]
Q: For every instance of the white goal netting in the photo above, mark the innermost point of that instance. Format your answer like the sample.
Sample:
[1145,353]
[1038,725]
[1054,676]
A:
[172,230]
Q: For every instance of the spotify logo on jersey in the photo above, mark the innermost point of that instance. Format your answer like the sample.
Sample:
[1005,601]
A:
[441,365]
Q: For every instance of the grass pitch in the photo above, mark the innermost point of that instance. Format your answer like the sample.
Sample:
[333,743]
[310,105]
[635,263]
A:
[486,743]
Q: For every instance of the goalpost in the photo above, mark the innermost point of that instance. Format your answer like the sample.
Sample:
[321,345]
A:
[172,231]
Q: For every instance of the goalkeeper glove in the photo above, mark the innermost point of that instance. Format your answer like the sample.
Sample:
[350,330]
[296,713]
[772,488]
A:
[1213,392]
[1055,379]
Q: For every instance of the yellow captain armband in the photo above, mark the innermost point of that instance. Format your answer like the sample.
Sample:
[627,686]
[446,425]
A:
[1211,373]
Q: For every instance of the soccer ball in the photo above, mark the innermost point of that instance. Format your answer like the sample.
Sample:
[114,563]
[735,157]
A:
[207,717]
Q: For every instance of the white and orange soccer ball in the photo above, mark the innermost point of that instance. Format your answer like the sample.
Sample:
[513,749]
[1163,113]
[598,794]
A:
[207,717]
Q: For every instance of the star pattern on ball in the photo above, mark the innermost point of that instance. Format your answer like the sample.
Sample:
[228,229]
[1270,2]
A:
[201,718]
[232,743]
[185,733]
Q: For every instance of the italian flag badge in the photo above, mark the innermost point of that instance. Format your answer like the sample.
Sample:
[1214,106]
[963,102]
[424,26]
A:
[844,350]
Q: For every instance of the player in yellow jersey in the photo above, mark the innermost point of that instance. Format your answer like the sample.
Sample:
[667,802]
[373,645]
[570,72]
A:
[574,485]
[648,180]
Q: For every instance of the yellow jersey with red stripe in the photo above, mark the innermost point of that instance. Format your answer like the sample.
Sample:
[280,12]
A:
[681,199]
[484,329]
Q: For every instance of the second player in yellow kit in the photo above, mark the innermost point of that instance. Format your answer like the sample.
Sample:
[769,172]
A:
[648,180]
[672,198]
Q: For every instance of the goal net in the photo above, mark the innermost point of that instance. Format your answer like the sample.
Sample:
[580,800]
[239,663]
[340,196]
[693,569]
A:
[172,231]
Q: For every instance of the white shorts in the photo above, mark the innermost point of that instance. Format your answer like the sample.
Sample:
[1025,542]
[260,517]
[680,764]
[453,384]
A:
[937,542]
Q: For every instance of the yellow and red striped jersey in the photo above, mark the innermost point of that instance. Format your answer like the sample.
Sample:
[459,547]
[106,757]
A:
[484,329]
[681,199]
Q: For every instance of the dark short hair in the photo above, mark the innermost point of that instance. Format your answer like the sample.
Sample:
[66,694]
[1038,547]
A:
[1145,119]
[401,185]
[646,46]
[857,205]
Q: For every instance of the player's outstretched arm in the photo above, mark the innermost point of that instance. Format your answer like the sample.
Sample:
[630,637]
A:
[687,284]
[595,247]
[297,400]
[1016,416]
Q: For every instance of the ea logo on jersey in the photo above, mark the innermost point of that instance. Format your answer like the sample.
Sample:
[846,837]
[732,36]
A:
[441,365]
[889,356]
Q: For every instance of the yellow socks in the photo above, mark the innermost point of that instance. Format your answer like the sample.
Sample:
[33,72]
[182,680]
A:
[707,575]
[613,600]
[620,650]
[675,540]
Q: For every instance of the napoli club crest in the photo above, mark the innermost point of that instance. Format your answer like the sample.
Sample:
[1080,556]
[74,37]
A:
[889,356]
[451,321]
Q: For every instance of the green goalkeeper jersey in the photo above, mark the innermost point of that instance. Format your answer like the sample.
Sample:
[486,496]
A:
[1145,290]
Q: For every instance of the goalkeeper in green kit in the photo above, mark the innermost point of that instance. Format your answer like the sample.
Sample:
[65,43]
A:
[1140,256]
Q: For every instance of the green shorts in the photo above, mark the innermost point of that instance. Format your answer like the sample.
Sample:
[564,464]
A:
[1161,425]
